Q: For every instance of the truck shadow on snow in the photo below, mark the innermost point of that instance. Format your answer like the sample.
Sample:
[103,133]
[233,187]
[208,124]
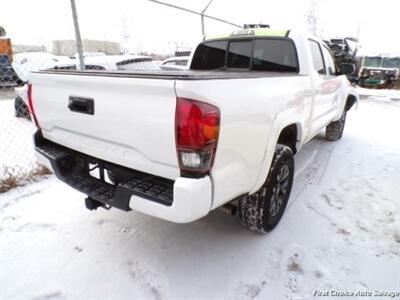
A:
[217,228]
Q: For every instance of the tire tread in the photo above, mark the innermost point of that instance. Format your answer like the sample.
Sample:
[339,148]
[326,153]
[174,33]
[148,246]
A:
[251,207]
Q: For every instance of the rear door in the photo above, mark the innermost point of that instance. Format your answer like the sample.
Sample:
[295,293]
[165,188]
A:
[127,121]
[332,81]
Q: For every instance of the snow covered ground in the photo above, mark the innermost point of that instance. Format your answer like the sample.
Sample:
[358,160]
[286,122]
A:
[16,145]
[341,232]
[379,95]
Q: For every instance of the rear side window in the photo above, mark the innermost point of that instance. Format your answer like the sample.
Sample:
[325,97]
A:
[330,63]
[317,57]
[210,56]
[274,55]
[239,54]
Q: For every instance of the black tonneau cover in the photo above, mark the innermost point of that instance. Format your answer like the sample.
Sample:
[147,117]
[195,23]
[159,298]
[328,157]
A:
[174,74]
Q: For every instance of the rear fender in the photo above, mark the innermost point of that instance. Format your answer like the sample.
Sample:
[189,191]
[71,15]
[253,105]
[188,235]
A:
[349,96]
[282,120]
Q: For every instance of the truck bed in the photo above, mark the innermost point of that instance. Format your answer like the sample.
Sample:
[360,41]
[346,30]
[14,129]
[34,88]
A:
[127,119]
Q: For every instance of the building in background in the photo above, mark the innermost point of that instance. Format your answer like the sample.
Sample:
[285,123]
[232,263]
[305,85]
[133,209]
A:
[28,48]
[68,47]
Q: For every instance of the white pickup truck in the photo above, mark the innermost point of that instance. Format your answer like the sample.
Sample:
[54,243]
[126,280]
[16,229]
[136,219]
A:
[176,145]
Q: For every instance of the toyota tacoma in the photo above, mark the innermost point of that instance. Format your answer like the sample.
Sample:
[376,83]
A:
[178,144]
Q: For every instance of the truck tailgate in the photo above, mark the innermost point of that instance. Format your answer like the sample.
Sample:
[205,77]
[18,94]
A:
[132,118]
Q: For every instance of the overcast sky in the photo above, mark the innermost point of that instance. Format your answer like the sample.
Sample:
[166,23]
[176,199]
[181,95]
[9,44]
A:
[142,25]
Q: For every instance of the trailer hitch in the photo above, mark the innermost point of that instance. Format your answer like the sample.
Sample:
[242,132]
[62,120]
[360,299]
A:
[92,204]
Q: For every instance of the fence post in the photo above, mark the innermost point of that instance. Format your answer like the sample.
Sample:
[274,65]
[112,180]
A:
[203,30]
[77,36]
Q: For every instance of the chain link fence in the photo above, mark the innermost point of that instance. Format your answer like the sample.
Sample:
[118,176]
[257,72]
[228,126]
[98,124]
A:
[17,161]
[17,158]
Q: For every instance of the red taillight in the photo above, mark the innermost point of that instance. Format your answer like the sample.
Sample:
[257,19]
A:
[30,106]
[196,132]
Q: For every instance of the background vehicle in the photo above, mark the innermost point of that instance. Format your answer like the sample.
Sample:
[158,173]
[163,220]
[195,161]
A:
[89,54]
[121,62]
[175,63]
[345,51]
[378,72]
[177,144]
[21,103]
[25,63]
[394,76]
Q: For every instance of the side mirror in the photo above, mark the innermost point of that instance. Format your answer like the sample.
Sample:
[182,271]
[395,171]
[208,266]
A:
[347,69]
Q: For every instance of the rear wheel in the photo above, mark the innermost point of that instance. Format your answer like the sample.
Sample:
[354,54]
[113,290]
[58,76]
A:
[262,211]
[334,130]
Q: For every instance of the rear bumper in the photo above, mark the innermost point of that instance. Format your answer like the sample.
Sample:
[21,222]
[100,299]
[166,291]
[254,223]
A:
[181,201]
[191,201]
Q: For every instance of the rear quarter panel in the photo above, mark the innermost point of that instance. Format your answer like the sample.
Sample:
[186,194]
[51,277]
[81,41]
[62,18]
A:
[250,124]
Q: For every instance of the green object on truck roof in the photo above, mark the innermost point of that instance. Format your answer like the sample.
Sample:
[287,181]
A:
[270,32]
[267,32]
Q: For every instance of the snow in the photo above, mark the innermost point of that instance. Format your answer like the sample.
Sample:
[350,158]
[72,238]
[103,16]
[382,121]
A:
[16,132]
[380,95]
[341,231]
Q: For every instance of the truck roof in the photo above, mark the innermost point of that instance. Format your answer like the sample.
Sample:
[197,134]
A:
[250,32]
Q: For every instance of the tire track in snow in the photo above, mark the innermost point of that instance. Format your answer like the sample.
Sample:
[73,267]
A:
[151,283]
[310,165]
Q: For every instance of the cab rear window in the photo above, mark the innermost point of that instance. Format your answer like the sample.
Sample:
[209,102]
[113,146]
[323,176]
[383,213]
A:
[269,54]
[239,54]
[210,56]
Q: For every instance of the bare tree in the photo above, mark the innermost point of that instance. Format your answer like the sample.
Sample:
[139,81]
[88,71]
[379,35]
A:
[125,35]
[312,19]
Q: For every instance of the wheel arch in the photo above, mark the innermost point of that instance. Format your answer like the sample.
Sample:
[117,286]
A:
[283,128]
[290,136]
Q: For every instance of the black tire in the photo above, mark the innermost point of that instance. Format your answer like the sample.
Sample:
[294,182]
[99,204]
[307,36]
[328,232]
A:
[334,130]
[262,211]
[21,109]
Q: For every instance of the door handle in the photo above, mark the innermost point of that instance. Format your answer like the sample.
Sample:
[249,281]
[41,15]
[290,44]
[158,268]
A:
[81,105]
